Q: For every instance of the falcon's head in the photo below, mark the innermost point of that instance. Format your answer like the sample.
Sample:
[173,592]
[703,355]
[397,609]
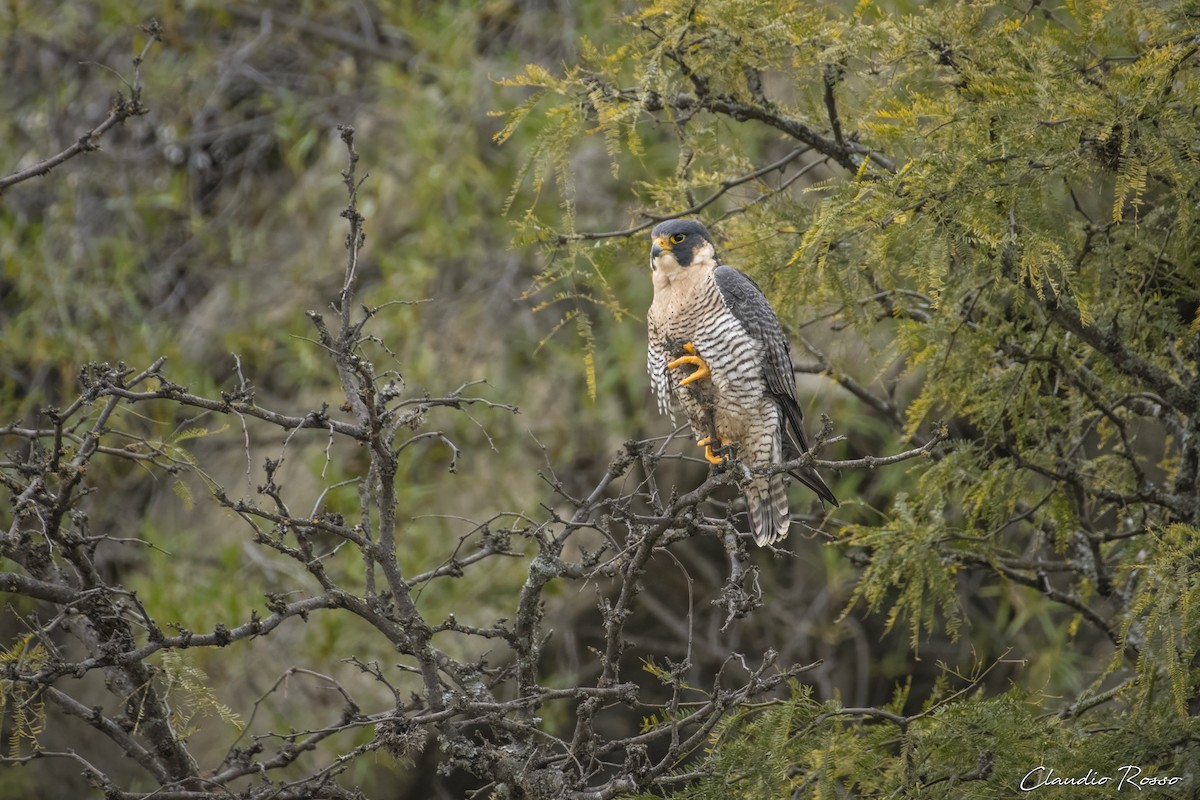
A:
[680,244]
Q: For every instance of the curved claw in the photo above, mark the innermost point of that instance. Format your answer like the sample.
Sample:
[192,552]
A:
[702,370]
[707,443]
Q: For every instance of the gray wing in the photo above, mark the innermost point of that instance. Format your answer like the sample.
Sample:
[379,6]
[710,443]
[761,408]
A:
[749,306]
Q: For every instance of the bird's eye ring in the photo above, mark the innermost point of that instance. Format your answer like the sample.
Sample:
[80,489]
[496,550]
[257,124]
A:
[676,238]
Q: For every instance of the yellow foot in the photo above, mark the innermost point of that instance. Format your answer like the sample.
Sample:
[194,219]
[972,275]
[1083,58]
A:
[707,443]
[702,370]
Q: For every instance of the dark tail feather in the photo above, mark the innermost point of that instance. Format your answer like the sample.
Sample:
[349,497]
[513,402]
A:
[795,445]
[809,477]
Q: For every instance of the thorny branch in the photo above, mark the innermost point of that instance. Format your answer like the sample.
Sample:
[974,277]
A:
[122,108]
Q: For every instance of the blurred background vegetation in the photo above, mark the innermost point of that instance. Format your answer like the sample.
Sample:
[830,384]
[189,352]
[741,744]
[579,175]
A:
[203,230]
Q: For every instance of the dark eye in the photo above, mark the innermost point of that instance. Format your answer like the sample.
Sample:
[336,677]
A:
[676,238]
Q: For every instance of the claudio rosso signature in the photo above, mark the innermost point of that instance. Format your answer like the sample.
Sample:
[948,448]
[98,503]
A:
[1126,777]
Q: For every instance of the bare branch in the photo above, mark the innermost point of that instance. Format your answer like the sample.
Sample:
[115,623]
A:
[722,188]
[122,108]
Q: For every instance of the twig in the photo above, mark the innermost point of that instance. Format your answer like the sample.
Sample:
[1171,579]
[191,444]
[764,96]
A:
[122,108]
[722,188]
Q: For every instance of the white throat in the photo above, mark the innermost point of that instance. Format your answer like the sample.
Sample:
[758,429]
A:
[667,268]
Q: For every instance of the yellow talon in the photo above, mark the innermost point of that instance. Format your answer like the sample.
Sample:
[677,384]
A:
[707,443]
[702,370]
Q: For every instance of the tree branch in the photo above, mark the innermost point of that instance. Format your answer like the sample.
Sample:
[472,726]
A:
[122,108]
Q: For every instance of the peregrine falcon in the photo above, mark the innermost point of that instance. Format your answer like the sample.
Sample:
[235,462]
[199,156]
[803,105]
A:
[717,349]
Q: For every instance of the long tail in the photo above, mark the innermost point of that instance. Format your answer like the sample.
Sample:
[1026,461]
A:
[809,477]
[767,502]
[795,444]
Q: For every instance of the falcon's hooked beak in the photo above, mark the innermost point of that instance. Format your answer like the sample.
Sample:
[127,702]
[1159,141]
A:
[657,248]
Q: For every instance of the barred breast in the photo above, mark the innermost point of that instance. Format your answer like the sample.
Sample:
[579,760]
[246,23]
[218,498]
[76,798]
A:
[747,416]
[743,413]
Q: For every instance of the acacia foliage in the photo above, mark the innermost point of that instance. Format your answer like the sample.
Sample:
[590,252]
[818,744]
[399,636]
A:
[1005,214]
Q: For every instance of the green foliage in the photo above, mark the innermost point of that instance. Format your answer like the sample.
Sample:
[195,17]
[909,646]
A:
[981,748]
[1164,616]
[907,557]
[187,693]
[997,206]
[24,710]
